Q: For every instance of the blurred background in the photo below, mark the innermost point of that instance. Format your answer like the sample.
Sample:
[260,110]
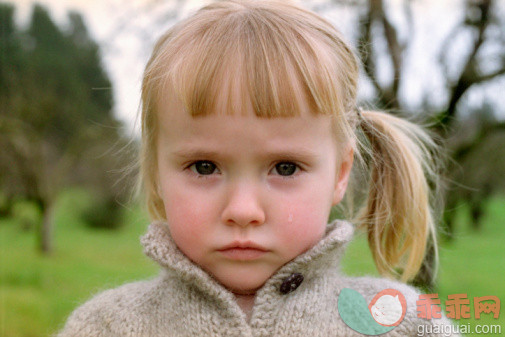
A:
[70,77]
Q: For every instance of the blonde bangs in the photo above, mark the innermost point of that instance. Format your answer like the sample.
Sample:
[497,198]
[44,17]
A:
[241,55]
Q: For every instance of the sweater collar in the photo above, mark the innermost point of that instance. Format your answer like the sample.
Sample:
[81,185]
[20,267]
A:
[322,258]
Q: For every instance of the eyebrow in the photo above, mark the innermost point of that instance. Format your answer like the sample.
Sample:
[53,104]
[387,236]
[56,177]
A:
[300,154]
[194,153]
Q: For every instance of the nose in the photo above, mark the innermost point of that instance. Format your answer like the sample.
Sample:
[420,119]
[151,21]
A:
[243,207]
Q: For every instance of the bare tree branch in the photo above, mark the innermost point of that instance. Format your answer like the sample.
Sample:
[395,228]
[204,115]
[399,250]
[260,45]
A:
[488,77]
[469,75]
[387,94]
[395,54]
[366,52]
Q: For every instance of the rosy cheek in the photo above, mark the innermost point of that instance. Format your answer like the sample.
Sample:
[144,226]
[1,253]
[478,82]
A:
[186,219]
[301,226]
[308,208]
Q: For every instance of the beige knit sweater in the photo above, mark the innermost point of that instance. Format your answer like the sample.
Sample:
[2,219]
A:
[186,301]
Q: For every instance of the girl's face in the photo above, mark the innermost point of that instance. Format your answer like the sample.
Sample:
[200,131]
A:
[245,195]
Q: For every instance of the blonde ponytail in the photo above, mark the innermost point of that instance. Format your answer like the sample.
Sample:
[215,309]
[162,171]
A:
[397,213]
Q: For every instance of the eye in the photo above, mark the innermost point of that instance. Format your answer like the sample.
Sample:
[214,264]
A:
[203,167]
[285,168]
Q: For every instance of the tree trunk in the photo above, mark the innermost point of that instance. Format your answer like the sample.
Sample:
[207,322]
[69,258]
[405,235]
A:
[46,233]
[45,230]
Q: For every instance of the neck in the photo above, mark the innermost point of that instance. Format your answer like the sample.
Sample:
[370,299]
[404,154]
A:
[246,303]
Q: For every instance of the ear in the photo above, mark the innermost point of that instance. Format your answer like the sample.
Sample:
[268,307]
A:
[343,173]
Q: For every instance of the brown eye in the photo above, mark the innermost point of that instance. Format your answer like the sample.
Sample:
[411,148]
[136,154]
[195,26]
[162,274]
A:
[203,167]
[285,168]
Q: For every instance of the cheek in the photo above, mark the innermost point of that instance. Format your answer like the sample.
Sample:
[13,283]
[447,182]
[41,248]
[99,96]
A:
[303,222]
[311,205]
[187,217]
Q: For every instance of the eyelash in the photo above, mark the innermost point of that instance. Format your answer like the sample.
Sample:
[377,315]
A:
[297,168]
[199,175]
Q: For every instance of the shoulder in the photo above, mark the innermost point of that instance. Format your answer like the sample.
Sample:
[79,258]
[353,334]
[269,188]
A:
[121,311]
[369,286]
[412,325]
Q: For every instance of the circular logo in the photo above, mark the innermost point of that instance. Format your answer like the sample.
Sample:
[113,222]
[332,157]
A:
[386,310]
[388,307]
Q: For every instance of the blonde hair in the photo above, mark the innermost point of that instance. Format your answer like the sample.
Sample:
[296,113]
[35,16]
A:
[271,49]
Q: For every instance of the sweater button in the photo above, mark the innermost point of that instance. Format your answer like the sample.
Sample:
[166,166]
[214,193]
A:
[290,283]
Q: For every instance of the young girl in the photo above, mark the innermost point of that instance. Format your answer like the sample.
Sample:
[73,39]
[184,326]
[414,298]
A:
[249,130]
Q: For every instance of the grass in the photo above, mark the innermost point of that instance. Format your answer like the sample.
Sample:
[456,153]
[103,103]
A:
[38,292]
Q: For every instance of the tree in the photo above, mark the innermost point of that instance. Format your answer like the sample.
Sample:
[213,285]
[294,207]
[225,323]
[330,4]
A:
[58,107]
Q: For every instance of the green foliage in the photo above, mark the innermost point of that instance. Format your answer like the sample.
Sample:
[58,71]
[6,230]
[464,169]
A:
[68,74]
[56,122]
[27,213]
[102,214]
[5,205]
[10,56]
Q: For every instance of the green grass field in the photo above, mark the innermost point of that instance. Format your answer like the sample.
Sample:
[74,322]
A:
[38,292]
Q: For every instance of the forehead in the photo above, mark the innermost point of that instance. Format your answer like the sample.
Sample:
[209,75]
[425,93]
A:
[241,134]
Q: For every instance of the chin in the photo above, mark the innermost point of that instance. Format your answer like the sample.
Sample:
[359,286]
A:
[244,286]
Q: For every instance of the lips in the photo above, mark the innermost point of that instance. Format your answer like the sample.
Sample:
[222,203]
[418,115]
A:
[243,245]
[243,251]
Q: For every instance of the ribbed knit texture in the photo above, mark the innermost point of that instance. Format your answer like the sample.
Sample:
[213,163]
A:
[186,301]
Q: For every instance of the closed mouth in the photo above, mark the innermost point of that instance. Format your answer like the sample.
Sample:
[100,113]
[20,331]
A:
[243,251]
[242,254]
[246,245]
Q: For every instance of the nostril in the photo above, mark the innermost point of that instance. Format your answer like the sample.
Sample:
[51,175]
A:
[251,219]
[244,216]
[243,206]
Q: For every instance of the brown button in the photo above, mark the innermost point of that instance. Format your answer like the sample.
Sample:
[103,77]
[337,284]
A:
[290,283]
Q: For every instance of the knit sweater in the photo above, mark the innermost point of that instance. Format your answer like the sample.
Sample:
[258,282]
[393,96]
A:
[300,299]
